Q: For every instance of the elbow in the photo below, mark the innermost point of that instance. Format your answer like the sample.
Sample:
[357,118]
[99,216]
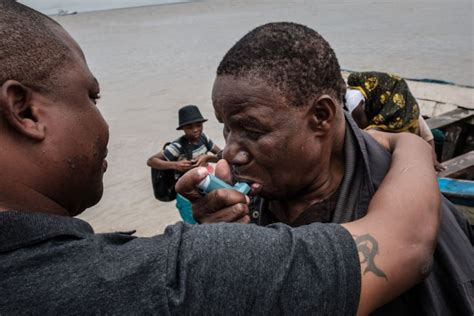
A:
[425,246]
[151,162]
[425,266]
[423,261]
[422,240]
[419,257]
[431,227]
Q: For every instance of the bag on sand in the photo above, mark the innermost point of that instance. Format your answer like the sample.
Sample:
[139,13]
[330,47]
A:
[163,182]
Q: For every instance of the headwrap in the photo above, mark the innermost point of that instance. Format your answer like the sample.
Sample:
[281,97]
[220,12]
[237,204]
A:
[389,104]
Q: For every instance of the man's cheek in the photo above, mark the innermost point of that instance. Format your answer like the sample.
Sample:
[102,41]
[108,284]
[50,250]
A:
[268,151]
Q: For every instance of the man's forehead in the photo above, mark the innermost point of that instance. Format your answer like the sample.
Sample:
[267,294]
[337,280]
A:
[77,58]
[249,112]
[67,40]
[226,84]
[240,93]
[64,36]
[77,69]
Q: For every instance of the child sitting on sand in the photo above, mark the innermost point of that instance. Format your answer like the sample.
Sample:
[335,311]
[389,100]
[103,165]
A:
[187,152]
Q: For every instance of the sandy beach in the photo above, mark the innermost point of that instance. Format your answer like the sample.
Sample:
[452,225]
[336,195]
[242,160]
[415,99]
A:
[152,60]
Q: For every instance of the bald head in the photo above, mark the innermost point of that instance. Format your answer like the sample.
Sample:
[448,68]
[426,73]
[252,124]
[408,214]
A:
[288,56]
[32,51]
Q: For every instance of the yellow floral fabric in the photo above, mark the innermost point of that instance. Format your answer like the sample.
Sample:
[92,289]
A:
[389,104]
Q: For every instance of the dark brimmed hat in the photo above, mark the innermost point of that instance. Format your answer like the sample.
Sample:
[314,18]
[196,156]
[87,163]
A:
[189,114]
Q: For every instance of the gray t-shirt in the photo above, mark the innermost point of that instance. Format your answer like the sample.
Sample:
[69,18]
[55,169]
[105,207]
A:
[52,264]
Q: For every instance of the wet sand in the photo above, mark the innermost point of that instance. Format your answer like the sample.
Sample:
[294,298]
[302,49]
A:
[152,60]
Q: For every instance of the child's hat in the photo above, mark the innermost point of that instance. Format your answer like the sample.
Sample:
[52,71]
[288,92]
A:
[189,114]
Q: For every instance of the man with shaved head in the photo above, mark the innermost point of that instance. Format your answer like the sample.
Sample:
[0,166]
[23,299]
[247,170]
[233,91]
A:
[279,93]
[53,146]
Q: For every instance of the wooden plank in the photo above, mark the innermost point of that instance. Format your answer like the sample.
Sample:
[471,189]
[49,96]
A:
[459,167]
[449,118]
[451,141]
[442,93]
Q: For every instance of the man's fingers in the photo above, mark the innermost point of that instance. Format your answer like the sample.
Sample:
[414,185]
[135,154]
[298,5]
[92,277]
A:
[224,205]
[188,182]
[244,220]
[439,167]
[223,171]
[220,199]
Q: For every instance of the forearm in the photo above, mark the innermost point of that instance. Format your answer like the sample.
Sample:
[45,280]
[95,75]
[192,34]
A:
[424,131]
[161,164]
[409,194]
[432,144]
[215,157]
[397,237]
[212,158]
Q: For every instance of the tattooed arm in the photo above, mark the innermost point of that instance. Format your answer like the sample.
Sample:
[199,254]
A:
[397,238]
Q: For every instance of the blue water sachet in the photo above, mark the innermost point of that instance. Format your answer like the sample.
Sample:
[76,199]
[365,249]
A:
[211,183]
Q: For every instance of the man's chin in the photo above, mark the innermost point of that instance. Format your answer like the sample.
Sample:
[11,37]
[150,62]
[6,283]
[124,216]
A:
[86,203]
[97,197]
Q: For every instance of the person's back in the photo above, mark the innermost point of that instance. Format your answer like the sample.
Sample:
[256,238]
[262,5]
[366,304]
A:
[383,101]
[389,104]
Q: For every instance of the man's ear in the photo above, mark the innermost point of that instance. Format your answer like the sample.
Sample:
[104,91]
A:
[19,110]
[322,114]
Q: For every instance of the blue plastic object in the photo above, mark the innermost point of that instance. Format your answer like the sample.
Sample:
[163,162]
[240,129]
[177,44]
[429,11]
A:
[185,209]
[211,183]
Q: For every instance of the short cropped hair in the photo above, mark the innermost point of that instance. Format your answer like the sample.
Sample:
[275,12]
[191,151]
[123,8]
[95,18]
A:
[289,56]
[30,50]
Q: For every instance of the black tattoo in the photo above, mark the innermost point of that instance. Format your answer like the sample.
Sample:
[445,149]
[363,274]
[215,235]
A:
[368,248]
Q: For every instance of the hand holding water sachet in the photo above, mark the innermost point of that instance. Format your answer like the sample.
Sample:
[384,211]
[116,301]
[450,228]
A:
[214,199]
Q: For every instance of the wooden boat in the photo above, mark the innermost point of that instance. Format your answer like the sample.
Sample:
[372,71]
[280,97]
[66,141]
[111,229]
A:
[456,154]
[460,192]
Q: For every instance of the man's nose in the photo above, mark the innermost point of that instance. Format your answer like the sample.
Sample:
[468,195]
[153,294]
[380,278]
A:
[235,154]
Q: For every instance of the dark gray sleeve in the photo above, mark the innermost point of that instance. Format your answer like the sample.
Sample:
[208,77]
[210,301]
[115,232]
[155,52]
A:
[224,269]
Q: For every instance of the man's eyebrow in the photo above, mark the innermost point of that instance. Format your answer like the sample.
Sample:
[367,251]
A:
[251,121]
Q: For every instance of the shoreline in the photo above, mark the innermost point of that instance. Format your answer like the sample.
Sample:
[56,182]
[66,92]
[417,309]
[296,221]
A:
[76,12]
